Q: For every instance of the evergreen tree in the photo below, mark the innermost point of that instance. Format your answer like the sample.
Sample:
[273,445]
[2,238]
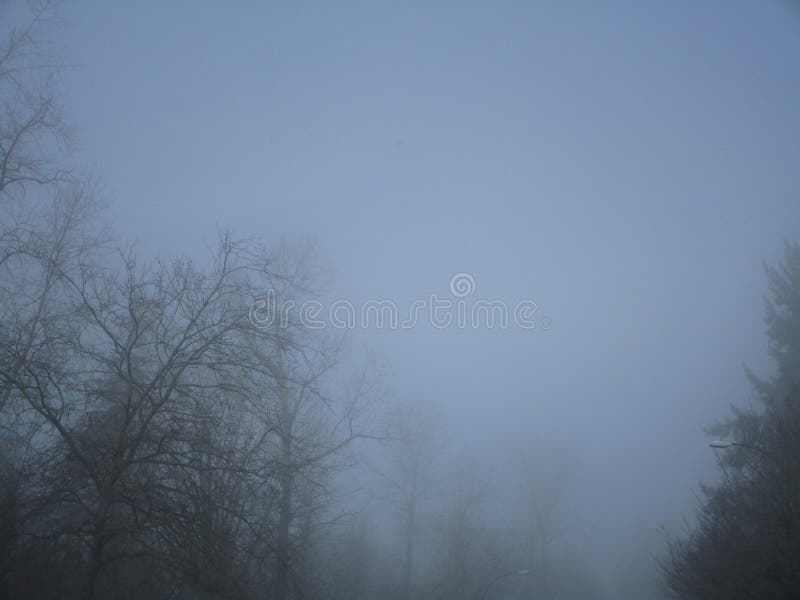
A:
[746,542]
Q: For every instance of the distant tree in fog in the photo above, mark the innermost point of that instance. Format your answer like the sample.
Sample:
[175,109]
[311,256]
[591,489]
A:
[414,446]
[470,554]
[311,423]
[542,475]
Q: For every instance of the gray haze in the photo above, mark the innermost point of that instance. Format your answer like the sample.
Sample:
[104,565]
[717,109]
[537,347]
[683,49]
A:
[627,166]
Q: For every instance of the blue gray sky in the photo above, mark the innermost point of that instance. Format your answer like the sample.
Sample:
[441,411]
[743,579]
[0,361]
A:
[626,165]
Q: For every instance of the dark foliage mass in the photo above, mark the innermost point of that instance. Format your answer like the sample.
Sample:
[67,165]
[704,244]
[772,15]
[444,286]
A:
[746,542]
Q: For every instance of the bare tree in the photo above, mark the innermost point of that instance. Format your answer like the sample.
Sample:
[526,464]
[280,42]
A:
[346,559]
[465,558]
[544,473]
[119,378]
[313,414]
[47,228]
[32,125]
[414,444]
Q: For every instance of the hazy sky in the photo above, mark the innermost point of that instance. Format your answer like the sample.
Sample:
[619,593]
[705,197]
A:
[626,165]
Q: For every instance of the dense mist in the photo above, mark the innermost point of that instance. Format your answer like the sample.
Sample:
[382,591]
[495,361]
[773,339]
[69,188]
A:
[399,301]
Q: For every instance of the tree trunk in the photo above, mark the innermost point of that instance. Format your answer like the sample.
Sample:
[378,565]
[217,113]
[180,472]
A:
[99,539]
[285,507]
[410,531]
[282,549]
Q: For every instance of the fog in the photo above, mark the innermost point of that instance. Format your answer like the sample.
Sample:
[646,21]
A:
[625,168]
